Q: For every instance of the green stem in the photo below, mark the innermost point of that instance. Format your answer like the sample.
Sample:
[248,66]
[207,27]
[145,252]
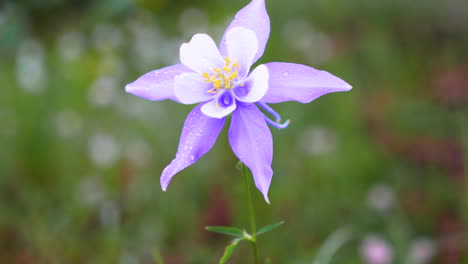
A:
[253,224]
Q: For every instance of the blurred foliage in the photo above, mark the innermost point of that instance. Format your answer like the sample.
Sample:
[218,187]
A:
[80,159]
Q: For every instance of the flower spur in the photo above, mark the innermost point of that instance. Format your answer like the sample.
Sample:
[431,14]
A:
[219,80]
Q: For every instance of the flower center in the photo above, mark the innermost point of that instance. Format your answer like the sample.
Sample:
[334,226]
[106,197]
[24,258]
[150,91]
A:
[223,78]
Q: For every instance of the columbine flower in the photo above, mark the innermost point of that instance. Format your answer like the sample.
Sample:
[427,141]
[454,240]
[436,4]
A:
[220,81]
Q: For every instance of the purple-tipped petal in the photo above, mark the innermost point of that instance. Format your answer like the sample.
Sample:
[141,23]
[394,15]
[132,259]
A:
[158,84]
[251,141]
[296,82]
[254,17]
[198,136]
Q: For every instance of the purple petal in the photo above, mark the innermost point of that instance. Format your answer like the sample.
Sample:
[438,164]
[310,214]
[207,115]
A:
[296,82]
[254,17]
[158,84]
[198,136]
[251,141]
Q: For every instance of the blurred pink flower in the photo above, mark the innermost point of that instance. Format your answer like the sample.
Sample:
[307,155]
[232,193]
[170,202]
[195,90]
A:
[450,86]
[422,250]
[376,250]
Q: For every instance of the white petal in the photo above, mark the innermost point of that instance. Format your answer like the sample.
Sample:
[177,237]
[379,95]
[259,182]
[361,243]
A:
[190,88]
[254,87]
[254,17]
[213,109]
[201,54]
[242,45]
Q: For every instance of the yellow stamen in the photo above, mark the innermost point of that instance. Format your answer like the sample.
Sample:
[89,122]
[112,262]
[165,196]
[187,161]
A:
[213,91]
[233,75]
[223,78]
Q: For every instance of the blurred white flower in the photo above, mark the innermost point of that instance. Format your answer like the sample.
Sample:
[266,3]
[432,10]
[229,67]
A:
[128,106]
[381,197]
[113,66]
[91,191]
[68,124]
[138,153]
[313,46]
[31,72]
[107,37]
[317,141]
[103,149]
[217,30]
[103,91]
[170,50]
[422,251]
[193,21]
[109,213]
[71,45]
[151,233]
[143,110]
[128,258]
[146,39]
[375,250]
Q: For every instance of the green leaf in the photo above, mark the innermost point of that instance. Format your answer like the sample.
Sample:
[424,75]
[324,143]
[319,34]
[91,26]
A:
[269,228]
[229,250]
[226,230]
[331,245]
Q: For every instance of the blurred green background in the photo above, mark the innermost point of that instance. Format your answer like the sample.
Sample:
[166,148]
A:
[385,164]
